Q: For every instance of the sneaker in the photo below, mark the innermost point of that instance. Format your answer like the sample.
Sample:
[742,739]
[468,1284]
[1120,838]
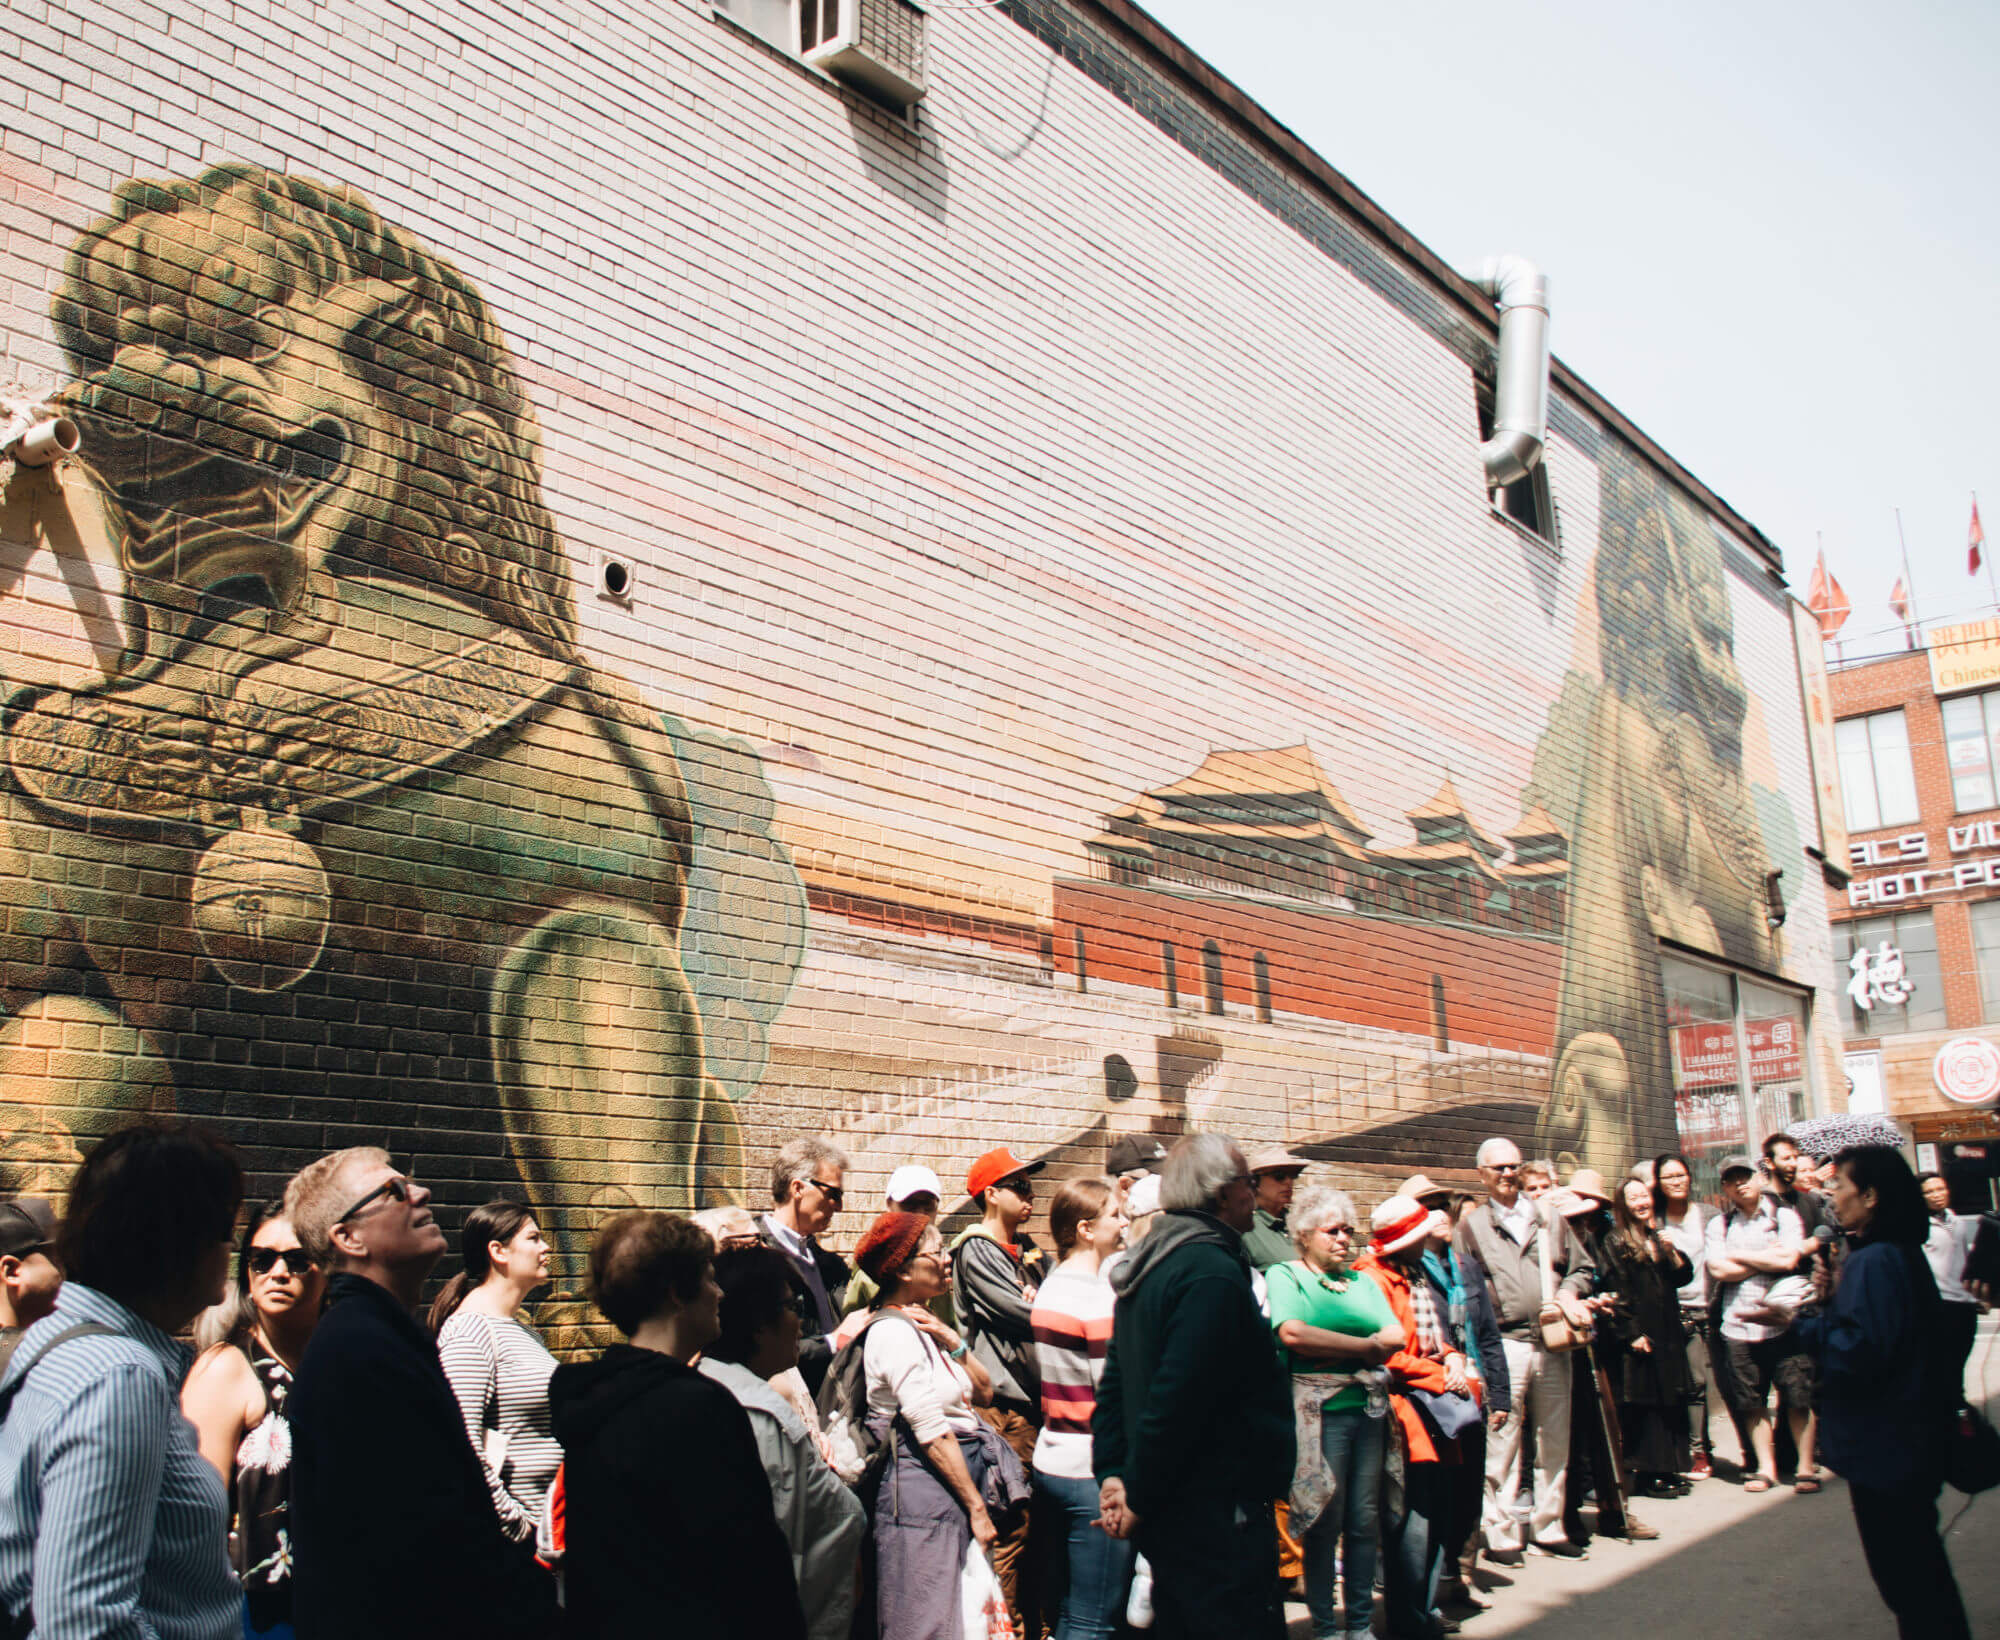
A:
[1702,1469]
[1505,1557]
[1637,1531]
[1556,1551]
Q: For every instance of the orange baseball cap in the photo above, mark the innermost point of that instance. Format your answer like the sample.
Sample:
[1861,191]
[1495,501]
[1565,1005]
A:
[994,1166]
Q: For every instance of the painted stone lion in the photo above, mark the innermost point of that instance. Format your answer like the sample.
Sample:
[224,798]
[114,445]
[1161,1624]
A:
[351,845]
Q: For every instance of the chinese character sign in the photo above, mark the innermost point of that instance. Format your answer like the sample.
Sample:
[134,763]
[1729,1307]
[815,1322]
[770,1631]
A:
[1876,978]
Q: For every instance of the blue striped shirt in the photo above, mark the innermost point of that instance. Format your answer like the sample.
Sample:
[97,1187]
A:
[112,1524]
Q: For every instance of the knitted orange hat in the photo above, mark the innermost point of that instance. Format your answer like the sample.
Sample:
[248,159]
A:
[889,1244]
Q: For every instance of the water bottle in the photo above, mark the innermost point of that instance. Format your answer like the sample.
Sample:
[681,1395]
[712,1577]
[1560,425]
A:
[1139,1603]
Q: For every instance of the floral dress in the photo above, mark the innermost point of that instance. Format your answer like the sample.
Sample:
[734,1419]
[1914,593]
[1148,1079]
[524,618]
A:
[261,1547]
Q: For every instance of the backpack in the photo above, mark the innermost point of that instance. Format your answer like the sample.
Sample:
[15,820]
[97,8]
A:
[854,1451]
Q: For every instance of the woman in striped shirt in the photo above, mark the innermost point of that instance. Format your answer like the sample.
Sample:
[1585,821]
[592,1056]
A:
[1072,1325]
[498,1366]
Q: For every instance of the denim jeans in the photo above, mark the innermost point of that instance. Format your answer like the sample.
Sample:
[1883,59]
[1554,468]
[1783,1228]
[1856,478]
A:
[1413,1547]
[1100,1565]
[1350,1526]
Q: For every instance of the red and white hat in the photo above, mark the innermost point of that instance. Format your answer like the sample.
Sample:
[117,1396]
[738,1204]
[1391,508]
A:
[1400,1222]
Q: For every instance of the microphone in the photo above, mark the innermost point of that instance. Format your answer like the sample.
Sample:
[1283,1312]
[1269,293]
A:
[1823,1244]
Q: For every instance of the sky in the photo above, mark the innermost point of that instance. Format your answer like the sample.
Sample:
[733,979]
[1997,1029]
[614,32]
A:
[1771,231]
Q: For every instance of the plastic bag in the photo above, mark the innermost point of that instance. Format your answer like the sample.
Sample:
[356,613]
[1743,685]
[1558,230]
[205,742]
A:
[980,1601]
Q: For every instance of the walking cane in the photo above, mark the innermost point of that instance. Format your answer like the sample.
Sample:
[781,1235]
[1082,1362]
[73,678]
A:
[1607,1418]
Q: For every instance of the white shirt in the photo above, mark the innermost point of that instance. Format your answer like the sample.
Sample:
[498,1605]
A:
[1733,1233]
[1690,1236]
[1949,1242]
[1518,1221]
[822,1519]
[907,1373]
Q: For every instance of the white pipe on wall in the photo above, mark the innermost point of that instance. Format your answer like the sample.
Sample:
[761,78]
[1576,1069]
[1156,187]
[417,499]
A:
[1521,384]
[45,442]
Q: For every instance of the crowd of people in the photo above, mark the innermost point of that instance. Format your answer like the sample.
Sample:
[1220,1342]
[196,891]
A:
[1212,1389]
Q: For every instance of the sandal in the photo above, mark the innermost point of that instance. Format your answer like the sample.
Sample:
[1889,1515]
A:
[1805,1483]
[1757,1483]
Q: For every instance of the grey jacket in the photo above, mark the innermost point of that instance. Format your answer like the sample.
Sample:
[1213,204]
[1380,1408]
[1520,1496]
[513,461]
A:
[1514,1272]
[992,1302]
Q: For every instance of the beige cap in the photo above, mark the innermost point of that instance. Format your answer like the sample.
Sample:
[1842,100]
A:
[1275,1159]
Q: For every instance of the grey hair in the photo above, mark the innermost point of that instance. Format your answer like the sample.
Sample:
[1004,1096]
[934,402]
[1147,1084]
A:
[1196,1169]
[1317,1205]
[801,1159]
[1491,1149]
[317,1194]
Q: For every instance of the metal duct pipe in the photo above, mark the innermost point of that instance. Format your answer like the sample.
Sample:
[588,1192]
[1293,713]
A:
[45,442]
[1521,385]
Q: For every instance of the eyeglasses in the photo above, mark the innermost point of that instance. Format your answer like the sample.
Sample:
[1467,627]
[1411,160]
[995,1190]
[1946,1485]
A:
[394,1189]
[832,1192]
[1336,1229]
[1503,1167]
[296,1260]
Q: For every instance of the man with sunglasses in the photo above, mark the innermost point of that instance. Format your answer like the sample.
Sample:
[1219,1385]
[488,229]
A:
[808,1185]
[394,1532]
[1501,1238]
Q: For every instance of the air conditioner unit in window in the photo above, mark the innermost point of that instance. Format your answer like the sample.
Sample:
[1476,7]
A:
[878,44]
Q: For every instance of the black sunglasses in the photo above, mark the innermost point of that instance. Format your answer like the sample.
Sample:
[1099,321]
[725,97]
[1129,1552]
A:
[832,1192]
[394,1189]
[263,1260]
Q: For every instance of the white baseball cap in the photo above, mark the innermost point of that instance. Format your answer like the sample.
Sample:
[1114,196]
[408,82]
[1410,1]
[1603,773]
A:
[906,1182]
[1144,1197]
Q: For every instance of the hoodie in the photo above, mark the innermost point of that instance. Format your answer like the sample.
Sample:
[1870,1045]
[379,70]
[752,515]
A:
[668,1507]
[989,1291]
[1194,1412]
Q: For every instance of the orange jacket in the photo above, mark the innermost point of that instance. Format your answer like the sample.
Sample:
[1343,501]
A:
[1412,1371]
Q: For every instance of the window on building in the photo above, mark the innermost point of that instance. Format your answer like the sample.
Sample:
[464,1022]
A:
[1528,501]
[1740,1065]
[1970,723]
[776,21]
[1876,785]
[1913,935]
[1986,953]
[1211,975]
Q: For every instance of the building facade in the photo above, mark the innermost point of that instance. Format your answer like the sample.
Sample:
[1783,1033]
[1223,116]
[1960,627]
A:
[622,596]
[1917,928]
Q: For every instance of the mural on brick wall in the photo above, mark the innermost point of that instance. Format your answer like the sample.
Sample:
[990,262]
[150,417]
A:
[349,842]
[348,823]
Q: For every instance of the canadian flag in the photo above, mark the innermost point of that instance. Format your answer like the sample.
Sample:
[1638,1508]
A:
[1899,601]
[1975,538]
[1825,599]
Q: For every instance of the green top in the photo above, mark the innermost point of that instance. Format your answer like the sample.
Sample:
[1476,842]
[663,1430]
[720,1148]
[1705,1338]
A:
[1268,1242]
[1345,1303]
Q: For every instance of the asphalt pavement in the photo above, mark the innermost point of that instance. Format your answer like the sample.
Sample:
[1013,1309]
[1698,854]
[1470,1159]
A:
[1748,1565]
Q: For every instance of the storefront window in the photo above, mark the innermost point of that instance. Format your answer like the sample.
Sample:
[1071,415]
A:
[1739,1062]
[1912,934]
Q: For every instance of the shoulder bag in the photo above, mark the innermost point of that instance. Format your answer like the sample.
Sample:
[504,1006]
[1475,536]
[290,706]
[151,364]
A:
[1559,1335]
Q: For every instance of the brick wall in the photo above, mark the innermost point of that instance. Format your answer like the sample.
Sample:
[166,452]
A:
[975,478]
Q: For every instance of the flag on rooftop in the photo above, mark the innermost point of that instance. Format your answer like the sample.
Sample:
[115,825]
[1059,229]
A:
[1975,538]
[1825,599]
[1899,601]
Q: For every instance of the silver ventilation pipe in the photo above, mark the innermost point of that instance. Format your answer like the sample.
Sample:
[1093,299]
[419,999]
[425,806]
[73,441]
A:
[1521,385]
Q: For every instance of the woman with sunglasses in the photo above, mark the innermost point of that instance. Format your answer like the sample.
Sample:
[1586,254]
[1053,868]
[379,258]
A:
[1332,1325]
[252,1344]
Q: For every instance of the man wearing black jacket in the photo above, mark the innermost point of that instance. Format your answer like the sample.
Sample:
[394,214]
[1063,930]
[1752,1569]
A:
[393,1528]
[1193,1433]
[808,1185]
